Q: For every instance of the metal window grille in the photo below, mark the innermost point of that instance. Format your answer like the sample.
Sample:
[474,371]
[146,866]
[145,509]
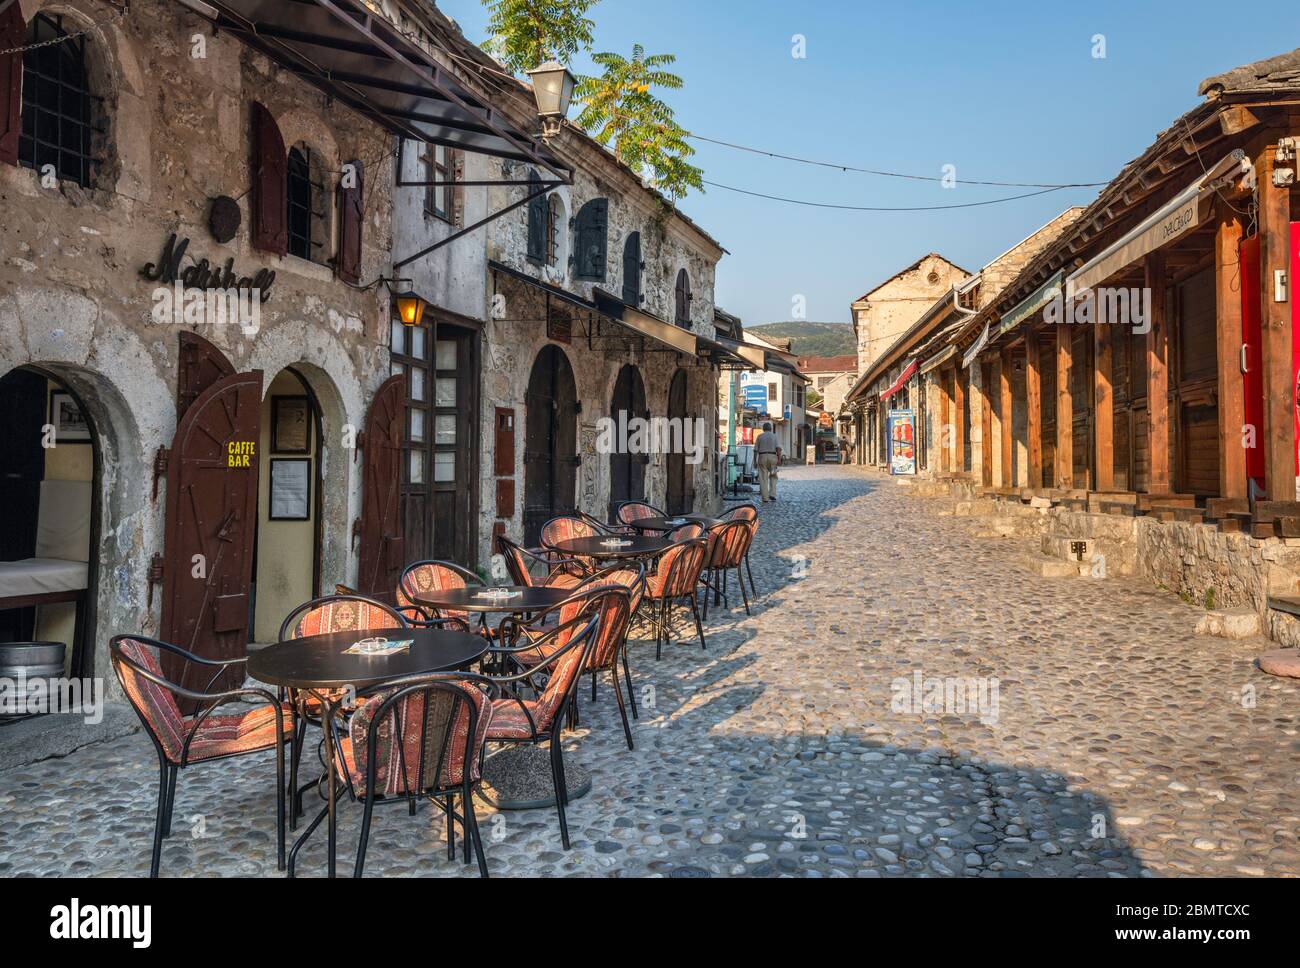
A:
[304,197]
[58,109]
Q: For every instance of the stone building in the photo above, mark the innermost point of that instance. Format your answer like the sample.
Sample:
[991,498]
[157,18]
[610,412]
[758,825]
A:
[884,313]
[180,152]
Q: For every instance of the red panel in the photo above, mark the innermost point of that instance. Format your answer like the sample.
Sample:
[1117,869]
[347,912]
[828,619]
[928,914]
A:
[1251,336]
[212,512]
[13,32]
[382,552]
[270,230]
[1293,267]
[352,213]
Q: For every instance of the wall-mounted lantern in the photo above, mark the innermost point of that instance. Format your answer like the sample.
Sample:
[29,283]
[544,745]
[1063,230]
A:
[553,86]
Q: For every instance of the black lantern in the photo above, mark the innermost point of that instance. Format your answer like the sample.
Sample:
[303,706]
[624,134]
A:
[410,308]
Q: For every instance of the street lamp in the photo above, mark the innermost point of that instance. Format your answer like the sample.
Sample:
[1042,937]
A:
[410,308]
[553,89]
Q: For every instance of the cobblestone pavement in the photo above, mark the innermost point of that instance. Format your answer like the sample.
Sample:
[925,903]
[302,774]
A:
[1119,743]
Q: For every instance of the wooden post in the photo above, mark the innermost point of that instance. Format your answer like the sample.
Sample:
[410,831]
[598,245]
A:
[1103,401]
[986,423]
[958,421]
[1064,409]
[1232,403]
[1278,436]
[1034,408]
[1157,377]
[945,419]
[1005,418]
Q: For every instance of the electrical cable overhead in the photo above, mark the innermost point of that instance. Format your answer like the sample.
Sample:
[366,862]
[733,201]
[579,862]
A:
[892,174]
[886,208]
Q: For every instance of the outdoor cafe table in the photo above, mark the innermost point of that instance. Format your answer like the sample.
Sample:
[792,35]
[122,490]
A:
[320,666]
[672,523]
[602,547]
[521,600]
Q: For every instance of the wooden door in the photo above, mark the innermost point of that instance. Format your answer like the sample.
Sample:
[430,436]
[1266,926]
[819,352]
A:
[201,364]
[627,470]
[678,498]
[211,525]
[550,442]
[383,552]
[1198,383]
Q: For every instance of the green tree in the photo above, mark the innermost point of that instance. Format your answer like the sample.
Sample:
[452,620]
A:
[526,33]
[621,109]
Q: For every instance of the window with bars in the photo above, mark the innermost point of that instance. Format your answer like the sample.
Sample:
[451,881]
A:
[437,167]
[307,205]
[58,109]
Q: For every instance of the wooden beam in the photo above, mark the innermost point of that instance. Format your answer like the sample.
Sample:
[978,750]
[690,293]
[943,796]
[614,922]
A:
[945,423]
[1103,404]
[1064,408]
[1157,377]
[1278,438]
[1033,409]
[1006,478]
[958,420]
[986,423]
[1232,401]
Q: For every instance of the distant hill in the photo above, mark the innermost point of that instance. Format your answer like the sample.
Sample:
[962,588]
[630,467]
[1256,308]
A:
[811,339]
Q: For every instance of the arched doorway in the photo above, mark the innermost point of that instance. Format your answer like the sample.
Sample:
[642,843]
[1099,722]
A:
[286,557]
[677,497]
[550,442]
[50,485]
[626,470]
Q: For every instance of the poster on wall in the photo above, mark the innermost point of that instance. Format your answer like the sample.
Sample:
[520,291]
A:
[901,429]
[290,490]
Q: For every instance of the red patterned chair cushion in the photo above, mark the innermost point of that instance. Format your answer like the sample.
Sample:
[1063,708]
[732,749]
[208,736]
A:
[389,779]
[342,616]
[156,704]
[511,724]
[678,571]
[565,529]
[631,513]
[239,733]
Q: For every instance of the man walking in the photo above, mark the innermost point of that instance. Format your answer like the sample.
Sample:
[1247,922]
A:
[768,451]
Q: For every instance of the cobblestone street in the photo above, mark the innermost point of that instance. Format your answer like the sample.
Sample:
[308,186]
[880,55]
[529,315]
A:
[1119,743]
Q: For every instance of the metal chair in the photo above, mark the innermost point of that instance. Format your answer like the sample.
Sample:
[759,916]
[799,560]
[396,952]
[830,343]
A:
[433,576]
[518,721]
[748,513]
[564,528]
[333,613]
[676,577]
[629,513]
[415,738]
[184,741]
[728,545]
[521,561]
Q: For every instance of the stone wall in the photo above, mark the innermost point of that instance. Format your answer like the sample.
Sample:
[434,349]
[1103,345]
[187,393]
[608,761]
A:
[884,314]
[72,299]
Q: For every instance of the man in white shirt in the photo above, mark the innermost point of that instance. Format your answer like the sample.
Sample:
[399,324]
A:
[767,451]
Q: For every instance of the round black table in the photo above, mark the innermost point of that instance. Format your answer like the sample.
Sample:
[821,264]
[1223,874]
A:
[672,523]
[525,600]
[596,547]
[320,666]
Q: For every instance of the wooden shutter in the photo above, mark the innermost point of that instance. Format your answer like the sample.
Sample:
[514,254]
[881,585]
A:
[683,299]
[382,545]
[13,33]
[201,365]
[270,230]
[632,270]
[212,512]
[592,233]
[352,215]
[457,166]
[538,221]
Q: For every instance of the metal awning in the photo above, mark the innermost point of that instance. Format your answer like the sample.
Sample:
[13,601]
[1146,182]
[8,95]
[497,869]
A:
[901,381]
[355,55]
[976,348]
[642,323]
[939,359]
[1035,301]
[751,354]
[1175,218]
[720,354]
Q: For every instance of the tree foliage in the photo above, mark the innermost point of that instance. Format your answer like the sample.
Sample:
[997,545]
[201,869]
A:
[526,33]
[620,108]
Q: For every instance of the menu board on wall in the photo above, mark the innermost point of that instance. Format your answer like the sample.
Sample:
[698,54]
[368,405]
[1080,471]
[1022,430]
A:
[901,429]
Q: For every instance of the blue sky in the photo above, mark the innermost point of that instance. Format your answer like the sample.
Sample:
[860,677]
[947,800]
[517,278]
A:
[1002,91]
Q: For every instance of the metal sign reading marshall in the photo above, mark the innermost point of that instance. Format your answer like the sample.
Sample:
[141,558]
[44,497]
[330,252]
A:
[901,431]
